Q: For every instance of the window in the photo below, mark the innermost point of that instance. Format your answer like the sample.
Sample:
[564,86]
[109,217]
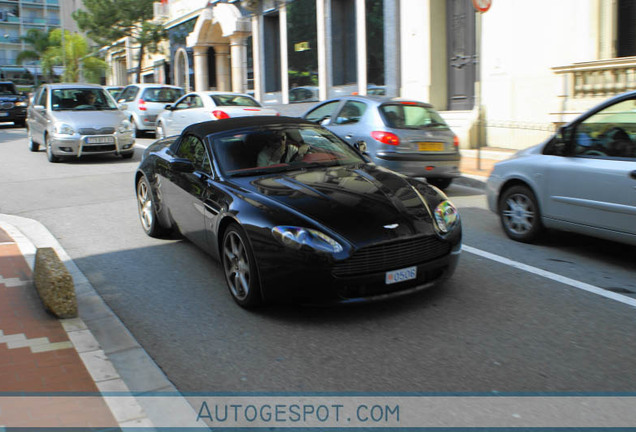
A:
[193,149]
[608,133]
[234,100]
[43,97]
[351,112]
[129,94]
[161,94]
[410,116]
[322,112]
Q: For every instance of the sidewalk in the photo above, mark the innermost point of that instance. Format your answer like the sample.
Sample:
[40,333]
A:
[476,165]
[86,372]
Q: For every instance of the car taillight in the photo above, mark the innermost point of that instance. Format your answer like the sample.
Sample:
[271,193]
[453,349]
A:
[142,105]
[220,115]
[386,137]
[456,142]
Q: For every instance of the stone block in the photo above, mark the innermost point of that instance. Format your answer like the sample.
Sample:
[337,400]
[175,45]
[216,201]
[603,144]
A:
[54,284]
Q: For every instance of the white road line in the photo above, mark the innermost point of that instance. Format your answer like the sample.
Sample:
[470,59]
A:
[553,276]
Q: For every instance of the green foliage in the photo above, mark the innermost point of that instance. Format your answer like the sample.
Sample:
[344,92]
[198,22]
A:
[106,21]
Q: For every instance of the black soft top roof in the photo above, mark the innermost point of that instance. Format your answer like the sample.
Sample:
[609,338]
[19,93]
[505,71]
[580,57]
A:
[213,126]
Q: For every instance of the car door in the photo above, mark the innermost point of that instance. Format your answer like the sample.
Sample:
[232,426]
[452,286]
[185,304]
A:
[187,192]
[347,123]
[595,186]
[187,112]
[323,113]
[39,115]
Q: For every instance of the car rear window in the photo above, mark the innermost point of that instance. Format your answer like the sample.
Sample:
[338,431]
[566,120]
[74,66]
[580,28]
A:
[7,89]
[411,116]
[161,94]
[234,100]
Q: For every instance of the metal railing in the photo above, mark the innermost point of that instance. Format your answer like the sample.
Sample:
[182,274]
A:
[600,78]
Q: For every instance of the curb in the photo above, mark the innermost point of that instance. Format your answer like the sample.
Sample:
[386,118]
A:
[473,181]
[111,354]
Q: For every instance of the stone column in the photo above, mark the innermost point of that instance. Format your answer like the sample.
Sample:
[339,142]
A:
[323,62]
[238,50]
[256,52]
[222,67]
[284,61]
[361,45]
[201,80]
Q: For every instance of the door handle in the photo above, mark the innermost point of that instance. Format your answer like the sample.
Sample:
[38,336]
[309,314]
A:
[633,174]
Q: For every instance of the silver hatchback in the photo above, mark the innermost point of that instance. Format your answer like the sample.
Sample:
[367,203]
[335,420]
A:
[406,136]
[582,179]
[142,103]
[73,120]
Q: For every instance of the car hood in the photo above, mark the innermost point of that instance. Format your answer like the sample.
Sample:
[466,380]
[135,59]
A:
[92,119]
[12,98]
[361,202]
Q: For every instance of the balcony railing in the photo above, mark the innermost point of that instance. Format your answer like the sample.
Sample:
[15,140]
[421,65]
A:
[600,78]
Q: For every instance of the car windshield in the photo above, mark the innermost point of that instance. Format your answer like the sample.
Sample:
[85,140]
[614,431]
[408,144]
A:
[78,99]
[7,89]
[234,100]
[410,115]
[277,148]
[162,94]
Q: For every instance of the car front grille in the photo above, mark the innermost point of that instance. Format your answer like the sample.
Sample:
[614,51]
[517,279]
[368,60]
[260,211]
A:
[93,131]
[98,148]
[6,105]
[391,256]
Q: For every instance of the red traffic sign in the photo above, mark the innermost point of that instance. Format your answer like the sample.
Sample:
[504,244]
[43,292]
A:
[482,5]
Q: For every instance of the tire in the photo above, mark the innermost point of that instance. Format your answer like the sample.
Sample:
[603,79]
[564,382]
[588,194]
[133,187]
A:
[519,214]
[19,123]
[33,146]
[49,150]
[441,183]
[135,131]
[147,210]
[239,266]
[160,132]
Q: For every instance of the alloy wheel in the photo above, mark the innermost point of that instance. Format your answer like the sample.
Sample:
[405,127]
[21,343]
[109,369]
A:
[519,214]
[144,205]
[237,265]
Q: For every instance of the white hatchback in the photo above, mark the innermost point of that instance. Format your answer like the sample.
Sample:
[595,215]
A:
[198,107]
[582,179]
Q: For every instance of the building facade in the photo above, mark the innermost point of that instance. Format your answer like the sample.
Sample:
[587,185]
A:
[504,77]
[17,17]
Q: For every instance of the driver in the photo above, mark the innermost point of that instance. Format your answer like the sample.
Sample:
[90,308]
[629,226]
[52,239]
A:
[281,148]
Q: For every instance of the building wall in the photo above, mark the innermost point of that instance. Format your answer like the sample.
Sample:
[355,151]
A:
[520,44]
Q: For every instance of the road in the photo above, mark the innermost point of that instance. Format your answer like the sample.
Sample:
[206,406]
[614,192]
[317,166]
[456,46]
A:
[492,327]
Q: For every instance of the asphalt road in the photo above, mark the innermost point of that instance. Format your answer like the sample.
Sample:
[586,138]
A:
[493,327]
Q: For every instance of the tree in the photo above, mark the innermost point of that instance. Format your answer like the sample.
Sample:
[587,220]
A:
[39,42]
[74,53]
[106,21]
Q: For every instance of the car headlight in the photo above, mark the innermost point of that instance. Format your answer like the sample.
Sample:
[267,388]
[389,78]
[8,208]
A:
[125,126]
[21,103]
[64,129]
[297,237]
[446,216]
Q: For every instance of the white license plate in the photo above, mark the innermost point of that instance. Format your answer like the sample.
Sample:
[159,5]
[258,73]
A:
[4,114]
[100,140]
[401,275]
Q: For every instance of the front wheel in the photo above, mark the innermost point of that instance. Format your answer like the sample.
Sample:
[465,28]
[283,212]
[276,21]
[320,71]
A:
[33,146]
[519,214]
[240,269]
[160,132]
[147,210]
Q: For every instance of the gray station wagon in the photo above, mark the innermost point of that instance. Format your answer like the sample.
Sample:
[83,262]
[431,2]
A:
[73,120]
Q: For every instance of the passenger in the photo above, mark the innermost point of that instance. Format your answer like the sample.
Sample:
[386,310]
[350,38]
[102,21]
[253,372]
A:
[281,149]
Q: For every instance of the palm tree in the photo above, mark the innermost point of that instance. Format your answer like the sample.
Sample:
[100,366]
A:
[39,42]
[74,53]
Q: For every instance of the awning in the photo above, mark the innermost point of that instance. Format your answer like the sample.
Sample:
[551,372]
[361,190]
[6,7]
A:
[18,69]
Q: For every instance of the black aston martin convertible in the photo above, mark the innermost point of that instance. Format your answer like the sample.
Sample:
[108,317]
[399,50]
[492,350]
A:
[294,213]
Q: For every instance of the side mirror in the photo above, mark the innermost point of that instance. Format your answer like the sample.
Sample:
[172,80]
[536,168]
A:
[324,121]
[182,165]
[361,146]
[561,144]
[168,107]
[38,107]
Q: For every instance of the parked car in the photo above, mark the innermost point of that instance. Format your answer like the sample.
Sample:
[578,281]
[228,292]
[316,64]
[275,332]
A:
[13,104]
[203,106]
[114,90]
[407,136]
[142,103]
[582,179]
[324,225]
[303,94]
[73,120]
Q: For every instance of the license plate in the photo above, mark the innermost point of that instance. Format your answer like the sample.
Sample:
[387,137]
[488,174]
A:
[4,114]
[100,140]
[430,146]
[401,275]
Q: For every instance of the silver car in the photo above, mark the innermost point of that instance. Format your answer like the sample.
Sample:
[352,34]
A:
[143,103]
[202,106]
[406,136]
[72,120]
[582,179]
